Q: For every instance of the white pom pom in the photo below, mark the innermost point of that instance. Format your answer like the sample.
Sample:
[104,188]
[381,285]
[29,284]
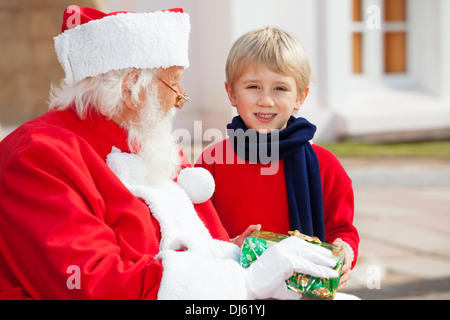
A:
[197,183]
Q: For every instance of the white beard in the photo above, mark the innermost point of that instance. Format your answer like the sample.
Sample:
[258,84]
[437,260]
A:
[153,133]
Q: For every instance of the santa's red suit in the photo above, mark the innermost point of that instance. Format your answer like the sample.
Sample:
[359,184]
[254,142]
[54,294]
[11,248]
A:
[74,227]
[254,193]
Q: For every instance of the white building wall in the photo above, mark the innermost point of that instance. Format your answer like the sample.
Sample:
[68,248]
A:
[426,44]
[445,49]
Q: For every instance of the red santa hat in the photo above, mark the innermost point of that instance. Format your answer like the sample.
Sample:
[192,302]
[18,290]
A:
[93,42]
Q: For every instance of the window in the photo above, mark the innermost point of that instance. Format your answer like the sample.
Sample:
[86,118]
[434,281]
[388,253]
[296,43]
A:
[394,40]
[395,37]
[357,52]
[357,37]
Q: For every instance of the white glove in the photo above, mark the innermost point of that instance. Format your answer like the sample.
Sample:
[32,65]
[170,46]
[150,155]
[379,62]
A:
[267,275]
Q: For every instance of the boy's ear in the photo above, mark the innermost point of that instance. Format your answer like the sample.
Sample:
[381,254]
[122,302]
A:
[301,99]
[128,81]
[231,94]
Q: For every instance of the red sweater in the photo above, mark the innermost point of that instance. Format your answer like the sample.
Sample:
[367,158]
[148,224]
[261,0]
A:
[245,196]
[61,206]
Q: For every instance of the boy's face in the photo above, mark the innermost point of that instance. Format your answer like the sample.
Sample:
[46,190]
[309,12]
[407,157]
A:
[265,100]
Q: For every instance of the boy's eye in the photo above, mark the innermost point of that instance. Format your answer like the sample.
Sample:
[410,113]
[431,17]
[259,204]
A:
[252,86]
[280,89]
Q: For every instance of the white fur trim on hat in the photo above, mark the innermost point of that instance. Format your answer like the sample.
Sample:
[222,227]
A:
[126,40]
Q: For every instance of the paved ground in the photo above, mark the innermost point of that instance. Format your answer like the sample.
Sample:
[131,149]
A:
[402,211]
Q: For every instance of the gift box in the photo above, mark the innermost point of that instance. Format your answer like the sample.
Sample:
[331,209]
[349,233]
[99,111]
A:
[321,288]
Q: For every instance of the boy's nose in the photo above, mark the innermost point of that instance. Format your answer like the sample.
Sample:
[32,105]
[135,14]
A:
[265,100]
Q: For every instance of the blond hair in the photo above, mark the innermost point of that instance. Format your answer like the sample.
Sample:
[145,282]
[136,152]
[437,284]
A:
[273,48]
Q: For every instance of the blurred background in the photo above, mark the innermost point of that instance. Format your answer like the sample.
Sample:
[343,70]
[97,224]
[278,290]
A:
[380,98]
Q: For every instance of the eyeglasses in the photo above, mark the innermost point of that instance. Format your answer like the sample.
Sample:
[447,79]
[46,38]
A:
[181,98]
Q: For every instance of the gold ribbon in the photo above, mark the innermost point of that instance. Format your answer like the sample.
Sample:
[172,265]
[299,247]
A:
[297,233]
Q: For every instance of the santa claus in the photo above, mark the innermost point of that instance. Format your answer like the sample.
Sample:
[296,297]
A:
[95,201]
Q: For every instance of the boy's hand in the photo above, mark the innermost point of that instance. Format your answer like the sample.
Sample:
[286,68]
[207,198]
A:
[346,267]
[239,241]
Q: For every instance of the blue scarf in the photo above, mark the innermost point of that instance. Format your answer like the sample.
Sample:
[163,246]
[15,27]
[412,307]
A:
[301,168]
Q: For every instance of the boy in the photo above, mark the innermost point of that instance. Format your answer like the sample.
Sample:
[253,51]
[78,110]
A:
[267,80]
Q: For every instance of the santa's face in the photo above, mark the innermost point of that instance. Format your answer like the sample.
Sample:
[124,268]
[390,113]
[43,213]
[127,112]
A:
[149,127]
[152,133]
[169,77]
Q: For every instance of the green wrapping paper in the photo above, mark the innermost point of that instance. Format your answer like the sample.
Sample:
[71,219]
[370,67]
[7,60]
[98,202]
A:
[259,241]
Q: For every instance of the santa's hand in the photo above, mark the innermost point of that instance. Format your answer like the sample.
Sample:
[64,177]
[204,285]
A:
[267,275]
